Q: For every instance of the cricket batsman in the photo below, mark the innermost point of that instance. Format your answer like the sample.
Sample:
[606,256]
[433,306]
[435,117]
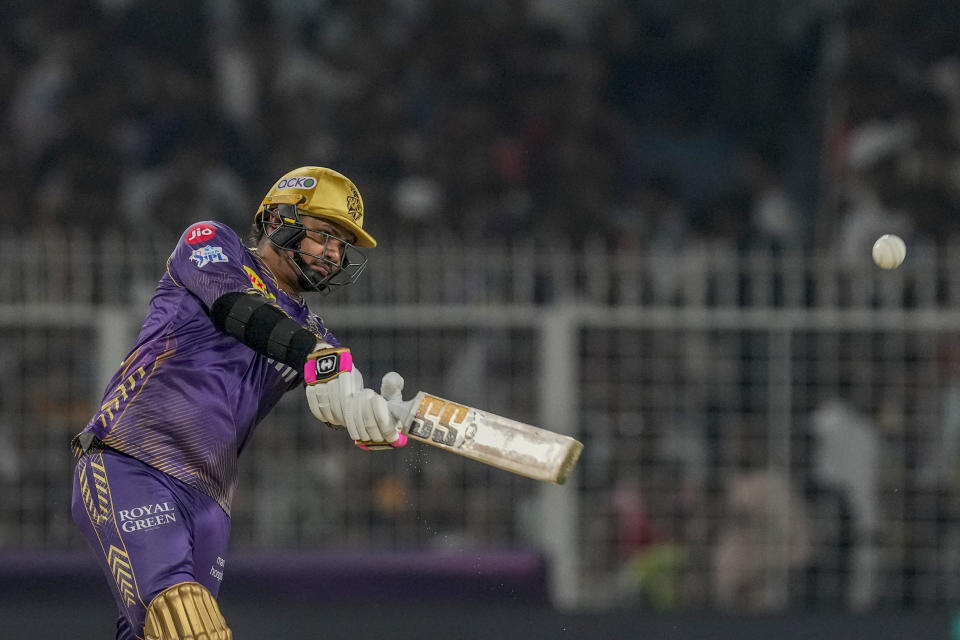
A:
[227,333]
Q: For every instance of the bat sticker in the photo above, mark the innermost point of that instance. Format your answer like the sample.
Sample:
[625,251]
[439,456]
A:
[440,419]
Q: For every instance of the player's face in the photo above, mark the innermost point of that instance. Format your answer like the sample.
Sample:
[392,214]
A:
[321,252]
[323,246]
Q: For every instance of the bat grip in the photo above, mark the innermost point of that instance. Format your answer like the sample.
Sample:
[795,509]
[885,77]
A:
[402,411]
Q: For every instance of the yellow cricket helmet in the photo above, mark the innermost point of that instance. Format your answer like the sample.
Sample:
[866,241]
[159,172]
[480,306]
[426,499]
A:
[321,193]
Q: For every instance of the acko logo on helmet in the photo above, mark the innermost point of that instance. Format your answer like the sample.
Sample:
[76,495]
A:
[297,182]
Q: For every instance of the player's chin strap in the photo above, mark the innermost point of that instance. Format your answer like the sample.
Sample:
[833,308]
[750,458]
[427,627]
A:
[288,235]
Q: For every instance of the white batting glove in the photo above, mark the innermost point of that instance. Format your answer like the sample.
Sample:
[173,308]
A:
[335,395]
[382,429]
[391,386]
[331,383]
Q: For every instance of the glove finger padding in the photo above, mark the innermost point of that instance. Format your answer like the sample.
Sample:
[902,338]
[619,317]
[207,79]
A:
[351,417]
[388,426]
[362,417]
[374,422]
[381,427]
[391,386]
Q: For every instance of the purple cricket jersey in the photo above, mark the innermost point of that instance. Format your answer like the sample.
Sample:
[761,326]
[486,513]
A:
[188,396]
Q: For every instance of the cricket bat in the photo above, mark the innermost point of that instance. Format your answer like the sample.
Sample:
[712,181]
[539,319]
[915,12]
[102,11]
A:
[491,439]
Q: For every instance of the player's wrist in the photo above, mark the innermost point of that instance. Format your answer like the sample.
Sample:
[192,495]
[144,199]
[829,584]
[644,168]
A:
[326,363]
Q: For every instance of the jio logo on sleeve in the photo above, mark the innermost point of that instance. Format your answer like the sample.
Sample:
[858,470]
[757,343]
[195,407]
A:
[200,233]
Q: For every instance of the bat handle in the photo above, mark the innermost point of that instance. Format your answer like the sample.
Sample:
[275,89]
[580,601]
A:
[402,411]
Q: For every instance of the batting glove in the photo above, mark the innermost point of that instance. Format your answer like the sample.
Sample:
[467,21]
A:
[331,383]
[391,388]
[335,395]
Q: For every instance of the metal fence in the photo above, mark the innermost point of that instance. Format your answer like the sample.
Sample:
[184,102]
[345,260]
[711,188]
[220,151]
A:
[762,430]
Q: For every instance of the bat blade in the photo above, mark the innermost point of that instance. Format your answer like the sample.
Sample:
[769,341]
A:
[500,442]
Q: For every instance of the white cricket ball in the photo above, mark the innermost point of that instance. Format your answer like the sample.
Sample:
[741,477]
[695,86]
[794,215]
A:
[889,251]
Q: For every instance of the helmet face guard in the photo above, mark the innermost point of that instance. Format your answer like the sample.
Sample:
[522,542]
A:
[287,237]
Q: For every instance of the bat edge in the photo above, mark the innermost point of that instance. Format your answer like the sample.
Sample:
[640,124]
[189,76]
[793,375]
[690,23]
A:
[569,462]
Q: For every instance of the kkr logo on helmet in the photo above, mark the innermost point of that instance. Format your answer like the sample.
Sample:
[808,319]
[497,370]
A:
[297,182]
[354,205]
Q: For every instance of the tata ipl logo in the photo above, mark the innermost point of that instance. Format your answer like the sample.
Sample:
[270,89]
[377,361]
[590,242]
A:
[297,182]
[207,254]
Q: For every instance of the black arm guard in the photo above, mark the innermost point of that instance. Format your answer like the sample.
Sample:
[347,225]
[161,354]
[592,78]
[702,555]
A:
[262,326]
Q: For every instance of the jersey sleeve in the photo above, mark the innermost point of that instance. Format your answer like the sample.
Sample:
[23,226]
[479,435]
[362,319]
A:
[315,324]
[208,262]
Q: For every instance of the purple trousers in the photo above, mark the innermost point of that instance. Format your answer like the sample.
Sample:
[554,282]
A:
[147,530]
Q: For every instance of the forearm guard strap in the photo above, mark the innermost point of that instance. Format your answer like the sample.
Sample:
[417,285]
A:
[263,327]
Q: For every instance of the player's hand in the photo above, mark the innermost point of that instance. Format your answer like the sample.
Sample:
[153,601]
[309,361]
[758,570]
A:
[382,428]
[331,382]
[391,387]
[335,395]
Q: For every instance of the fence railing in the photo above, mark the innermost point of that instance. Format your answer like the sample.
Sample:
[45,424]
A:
[80,268]
[761,430]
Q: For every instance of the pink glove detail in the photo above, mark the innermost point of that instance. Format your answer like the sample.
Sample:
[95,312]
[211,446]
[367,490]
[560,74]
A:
[401,441]
[328,366]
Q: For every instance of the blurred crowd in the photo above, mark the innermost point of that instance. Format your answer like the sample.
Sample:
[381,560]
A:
[650,124]
[891,118]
